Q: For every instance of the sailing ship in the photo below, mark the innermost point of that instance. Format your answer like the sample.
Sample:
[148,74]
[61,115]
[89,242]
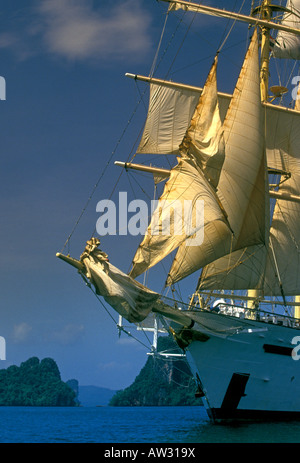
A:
[233,198]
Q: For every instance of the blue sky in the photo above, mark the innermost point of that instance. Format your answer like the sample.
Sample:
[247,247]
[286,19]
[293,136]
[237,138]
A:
[67,105]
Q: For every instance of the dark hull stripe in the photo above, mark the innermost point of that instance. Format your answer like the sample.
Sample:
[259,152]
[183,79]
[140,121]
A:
[274,349]
[221,414]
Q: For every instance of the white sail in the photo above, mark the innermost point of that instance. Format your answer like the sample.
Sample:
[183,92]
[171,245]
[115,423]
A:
[202,156]
[169,113]
[287,45]
[282,131]
[203,140]
[267,267]
[277,116]
[283,267]
[240,270]
[171,109]
[179,217]
[242,188]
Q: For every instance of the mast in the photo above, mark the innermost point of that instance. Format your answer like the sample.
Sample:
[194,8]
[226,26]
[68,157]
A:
[266,14]
[297,298]
[297,308]
[252,301]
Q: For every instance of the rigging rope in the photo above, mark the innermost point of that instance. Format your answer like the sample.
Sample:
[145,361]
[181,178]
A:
[158,48]
[229,32]
[103,172]
[119,140]
[158,360]
[156,357]
[88,284]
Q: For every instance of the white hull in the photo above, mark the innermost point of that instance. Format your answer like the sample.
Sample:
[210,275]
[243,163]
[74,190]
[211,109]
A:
[247,374]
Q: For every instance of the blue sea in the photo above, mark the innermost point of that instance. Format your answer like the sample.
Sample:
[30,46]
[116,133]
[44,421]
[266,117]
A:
[133,425]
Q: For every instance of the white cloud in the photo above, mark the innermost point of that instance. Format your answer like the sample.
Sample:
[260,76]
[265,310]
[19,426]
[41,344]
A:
[7,40]
[76,31]
[126,341]
[21,332]
[69,334]
[17,43]
[113,366]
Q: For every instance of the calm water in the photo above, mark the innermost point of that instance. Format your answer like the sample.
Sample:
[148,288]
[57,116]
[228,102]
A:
[133,425]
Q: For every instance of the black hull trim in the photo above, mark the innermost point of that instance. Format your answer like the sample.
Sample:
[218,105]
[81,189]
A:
[222,415]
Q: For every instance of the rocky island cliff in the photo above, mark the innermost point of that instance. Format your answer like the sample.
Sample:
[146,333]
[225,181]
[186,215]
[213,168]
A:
[35,383]
[161,382]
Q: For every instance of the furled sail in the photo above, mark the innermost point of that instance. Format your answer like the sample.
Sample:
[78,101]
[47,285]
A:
[128,297]
[242,187]
[287,45]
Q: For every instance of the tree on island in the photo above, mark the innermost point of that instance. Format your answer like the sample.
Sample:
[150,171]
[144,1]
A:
[35,383]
